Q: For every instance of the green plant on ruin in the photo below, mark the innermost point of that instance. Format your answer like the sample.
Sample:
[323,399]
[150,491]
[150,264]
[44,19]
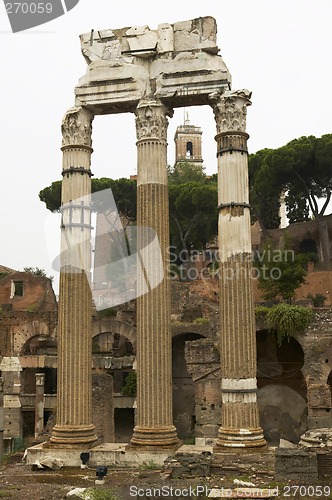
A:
[130,384]
[261,312]
[280,271]
[150,465]
[106,313]
[100,494]
[318,300]
[32,308]
[201,321]
[287,320]
[37,271]
[189,440]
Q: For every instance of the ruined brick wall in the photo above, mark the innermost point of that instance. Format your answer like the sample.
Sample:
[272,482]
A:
[19,327]
[36,293]
[317,282]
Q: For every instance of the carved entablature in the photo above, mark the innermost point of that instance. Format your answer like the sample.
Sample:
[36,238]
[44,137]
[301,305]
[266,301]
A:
[151,120]
[178,63]
[230,110]
[76,127]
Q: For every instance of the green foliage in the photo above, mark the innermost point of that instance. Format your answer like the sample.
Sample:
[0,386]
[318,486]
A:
[130,385]
[192,196]
[193,215]
[264,190]
[51,196]
[201,321]
[303,169]
[280,271]
[124,192]
[150,465]
[36,271]
[318,299]
[185,172]
[106,313]
[100,494]
[297,208]
[261,312]
[32,308]
[288,320]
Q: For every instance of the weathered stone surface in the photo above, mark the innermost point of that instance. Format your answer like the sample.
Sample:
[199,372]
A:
[128,64]
[319,396]
[318,438]
[165,38]
[298,465]
[183,464]
[76,493]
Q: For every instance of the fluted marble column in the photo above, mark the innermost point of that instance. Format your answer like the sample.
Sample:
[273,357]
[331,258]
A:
[74,398]
[239,415]
[154,364]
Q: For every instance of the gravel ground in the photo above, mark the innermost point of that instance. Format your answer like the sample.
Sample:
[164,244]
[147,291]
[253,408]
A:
[19,482]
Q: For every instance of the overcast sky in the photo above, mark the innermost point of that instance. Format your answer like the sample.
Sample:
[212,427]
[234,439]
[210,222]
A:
[281,51]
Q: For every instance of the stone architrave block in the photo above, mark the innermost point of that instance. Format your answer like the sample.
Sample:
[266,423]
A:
[179,62]
[146,41]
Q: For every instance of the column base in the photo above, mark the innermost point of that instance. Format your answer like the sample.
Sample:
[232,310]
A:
[239,439]
[73,436]
[155,436]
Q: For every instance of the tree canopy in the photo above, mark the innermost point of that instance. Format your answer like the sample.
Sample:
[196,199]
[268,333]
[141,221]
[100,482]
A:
[124,192]
[303,169]
[193,203]
[280,271]
[185,171]
[193,215]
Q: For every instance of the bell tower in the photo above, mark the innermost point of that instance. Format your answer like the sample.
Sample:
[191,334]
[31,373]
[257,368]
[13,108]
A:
[188,143]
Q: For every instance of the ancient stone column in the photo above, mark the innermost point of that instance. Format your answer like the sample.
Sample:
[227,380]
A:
[154,424]
[74,398]
[239,416]
[39,403]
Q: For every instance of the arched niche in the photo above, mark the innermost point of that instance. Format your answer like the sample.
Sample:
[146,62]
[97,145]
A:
[281,388]
[183,386]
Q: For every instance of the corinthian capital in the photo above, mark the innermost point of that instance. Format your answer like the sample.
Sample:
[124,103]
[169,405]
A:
[230,110]
[76,127]
[151,120]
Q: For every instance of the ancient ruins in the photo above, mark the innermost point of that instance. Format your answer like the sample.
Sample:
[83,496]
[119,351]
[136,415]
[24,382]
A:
[149,73]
